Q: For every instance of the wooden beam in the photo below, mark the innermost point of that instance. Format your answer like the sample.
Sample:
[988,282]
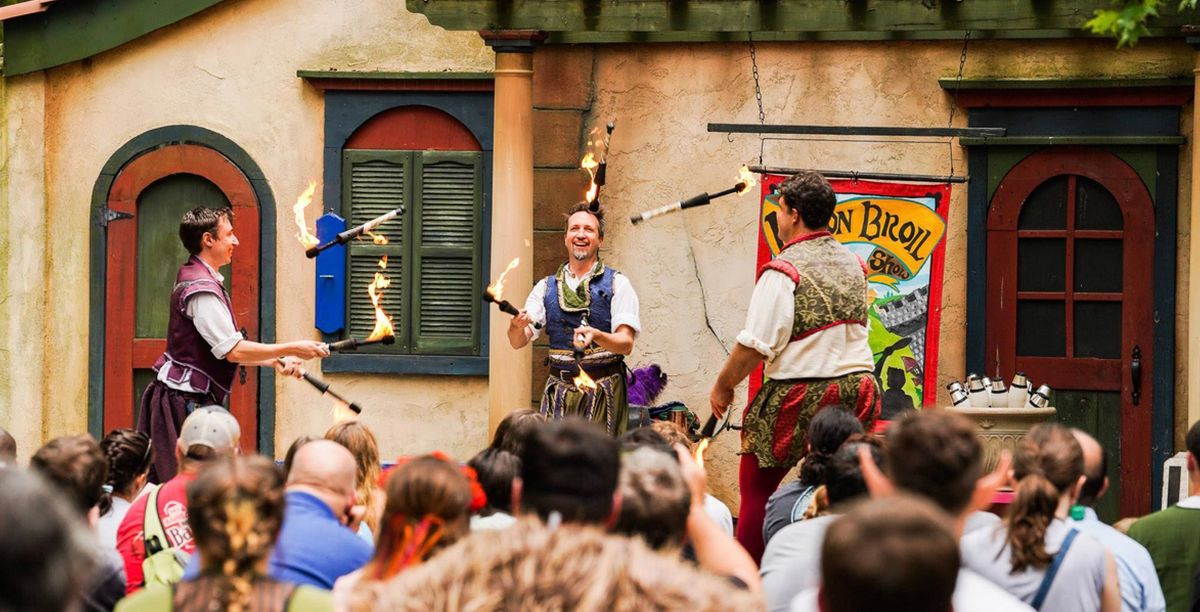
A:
[853,130]
[628,21]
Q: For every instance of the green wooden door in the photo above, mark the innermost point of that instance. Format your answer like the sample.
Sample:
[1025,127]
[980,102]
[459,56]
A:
[143,256]
[1070,302]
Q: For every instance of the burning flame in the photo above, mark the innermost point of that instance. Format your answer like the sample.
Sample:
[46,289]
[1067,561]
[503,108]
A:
[590,164]
[497,288]
[746,180]
[376,238]
[383,323]
[341,412]
[583,381]
[306,238]
[698,454]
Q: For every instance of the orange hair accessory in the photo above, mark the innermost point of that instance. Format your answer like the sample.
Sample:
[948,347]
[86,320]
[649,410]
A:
[478,497]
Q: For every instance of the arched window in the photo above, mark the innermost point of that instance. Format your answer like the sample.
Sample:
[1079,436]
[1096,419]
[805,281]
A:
[429,162]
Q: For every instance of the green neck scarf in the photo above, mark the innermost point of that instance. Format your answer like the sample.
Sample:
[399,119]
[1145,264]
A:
[581,297]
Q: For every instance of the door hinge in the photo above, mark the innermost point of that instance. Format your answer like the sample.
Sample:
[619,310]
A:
[108,215]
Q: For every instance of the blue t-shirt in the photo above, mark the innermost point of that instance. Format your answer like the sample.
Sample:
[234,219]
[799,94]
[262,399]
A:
[314,548]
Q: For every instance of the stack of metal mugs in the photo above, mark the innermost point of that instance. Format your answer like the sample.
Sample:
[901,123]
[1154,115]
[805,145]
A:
[984,392]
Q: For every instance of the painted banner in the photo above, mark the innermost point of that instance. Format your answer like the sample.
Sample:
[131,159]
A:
[898,230]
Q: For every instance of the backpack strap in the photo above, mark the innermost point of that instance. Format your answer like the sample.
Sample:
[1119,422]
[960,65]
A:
[1048,579]
[154,539]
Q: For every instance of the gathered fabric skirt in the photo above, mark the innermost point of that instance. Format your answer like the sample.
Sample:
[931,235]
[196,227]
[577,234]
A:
[775,426]
[607,406]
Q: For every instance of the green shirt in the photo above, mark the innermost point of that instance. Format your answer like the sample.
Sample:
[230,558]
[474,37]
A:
[1173,538]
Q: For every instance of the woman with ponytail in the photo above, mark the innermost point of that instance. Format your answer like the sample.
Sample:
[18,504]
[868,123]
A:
[828,431]
[129,459]
[235,509]
[1035,554]
[429,504]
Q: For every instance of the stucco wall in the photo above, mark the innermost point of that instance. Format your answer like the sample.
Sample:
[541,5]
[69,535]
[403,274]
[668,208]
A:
[696,269]
[231,69]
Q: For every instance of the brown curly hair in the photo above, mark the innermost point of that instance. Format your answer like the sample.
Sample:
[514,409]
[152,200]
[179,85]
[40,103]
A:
[235,510]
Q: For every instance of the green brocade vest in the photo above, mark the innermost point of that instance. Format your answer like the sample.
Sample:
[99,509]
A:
[831,283]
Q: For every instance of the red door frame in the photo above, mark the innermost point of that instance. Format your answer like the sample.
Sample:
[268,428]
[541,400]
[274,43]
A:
[1137,293]
[124,352]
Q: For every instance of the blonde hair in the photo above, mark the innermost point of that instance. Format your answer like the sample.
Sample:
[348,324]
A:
[235,510]
[575,567]
[361,443]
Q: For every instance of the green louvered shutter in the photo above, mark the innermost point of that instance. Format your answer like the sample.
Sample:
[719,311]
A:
[447,266]
[373,183]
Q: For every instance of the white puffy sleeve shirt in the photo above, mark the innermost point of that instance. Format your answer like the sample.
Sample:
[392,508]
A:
[828,353]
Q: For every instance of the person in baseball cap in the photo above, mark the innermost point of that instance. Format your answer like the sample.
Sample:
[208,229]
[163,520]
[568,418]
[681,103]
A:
[207,433]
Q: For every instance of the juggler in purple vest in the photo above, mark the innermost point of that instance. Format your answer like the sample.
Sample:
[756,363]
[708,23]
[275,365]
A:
[189,357]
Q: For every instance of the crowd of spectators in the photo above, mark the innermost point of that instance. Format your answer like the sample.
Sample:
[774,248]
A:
[558,515]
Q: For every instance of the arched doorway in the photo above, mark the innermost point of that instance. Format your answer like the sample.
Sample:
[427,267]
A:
[1070,299]
[143,252]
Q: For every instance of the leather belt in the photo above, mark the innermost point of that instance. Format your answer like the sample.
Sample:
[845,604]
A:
[568,374]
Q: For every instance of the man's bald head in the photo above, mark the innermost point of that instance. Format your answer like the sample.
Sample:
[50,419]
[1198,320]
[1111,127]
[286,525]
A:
[8,448]
[324,465]
[1095,467]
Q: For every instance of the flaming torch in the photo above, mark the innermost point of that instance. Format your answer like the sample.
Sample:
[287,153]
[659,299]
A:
[383,333]
[307,239]
[597,165]
[495,293]
[698,454]
[583,382]
[746,180]
[343,237]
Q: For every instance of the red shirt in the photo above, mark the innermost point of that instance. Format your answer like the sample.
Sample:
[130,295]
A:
[172,510]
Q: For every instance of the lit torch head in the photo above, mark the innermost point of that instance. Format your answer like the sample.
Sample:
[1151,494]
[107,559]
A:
[383,323]
[341,412]
[376,238]
[590,164]
[698,454]
[306,238]
[583,382]
[746,180]
[496,289]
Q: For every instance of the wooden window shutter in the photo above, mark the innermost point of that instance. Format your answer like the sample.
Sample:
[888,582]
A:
[373,183]
[447,253]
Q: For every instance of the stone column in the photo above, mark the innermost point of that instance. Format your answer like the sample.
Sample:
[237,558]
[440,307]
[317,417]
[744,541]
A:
[1193,301]
[509,371]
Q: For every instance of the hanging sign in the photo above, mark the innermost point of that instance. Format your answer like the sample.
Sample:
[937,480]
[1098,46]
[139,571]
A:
[897,229]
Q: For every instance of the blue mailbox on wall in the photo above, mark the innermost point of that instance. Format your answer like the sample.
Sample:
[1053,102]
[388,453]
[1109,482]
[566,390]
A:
[331,277]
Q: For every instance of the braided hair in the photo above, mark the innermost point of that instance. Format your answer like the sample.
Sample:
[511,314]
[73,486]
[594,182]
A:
[235,510]
[129,456]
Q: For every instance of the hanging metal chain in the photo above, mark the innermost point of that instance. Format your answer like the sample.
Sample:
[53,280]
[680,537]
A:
[762,115]
[962,62]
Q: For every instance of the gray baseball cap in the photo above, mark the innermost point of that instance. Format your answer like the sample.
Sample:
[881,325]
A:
[210,426]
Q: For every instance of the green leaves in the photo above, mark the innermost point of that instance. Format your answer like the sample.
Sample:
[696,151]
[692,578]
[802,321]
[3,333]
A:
[1127,21]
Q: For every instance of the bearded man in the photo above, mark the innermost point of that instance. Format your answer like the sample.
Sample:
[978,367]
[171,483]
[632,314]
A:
[590,313]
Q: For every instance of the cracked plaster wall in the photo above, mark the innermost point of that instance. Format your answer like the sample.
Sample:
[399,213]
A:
[696,269]
[231,69]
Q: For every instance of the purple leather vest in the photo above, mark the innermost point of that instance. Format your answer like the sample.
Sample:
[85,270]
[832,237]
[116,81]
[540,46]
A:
[189,357]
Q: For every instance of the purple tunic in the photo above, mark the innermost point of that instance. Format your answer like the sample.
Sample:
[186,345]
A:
[188,359]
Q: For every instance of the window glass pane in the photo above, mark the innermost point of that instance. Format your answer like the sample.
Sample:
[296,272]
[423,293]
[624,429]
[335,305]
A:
[1041,264]
[1046,207]
[1099,266]
[1095,207]
[1041,328]
[1098,329]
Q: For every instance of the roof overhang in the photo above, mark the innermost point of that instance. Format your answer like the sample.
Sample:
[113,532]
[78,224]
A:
[643,21]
